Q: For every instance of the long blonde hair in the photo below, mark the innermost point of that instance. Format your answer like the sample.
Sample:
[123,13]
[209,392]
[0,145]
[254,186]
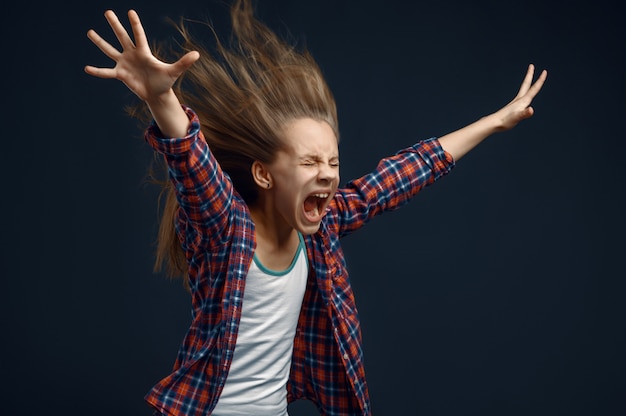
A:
[243,94]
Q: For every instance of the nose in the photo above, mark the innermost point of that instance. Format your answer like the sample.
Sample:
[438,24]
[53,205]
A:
[328,173]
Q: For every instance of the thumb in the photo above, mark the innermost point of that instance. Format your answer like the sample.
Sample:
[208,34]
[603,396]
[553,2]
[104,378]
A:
[186,61]
[528,112]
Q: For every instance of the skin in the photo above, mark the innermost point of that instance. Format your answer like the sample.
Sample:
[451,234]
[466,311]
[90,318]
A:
[309,162]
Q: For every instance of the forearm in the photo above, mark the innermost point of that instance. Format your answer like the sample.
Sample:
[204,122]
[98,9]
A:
[169,115]
[460,142]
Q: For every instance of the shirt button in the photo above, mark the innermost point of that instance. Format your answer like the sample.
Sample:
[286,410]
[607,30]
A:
[345,356]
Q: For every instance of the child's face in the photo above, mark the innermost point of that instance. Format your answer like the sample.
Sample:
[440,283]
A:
[305,174]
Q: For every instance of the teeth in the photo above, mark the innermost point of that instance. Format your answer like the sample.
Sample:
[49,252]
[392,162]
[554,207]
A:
[323,196]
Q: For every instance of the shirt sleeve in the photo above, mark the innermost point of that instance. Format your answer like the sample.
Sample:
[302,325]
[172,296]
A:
[203,191]
[392,184]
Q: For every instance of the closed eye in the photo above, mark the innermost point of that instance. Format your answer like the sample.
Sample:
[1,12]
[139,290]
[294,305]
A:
[334,163]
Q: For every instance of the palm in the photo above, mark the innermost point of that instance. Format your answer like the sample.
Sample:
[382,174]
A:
[143,74]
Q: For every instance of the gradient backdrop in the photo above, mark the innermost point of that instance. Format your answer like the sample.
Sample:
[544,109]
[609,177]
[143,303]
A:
[499,291]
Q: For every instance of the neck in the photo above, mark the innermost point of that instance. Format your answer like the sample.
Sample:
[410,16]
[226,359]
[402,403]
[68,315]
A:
[272,231]
[277,242]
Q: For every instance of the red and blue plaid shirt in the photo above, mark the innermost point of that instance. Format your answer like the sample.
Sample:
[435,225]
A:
[218,237]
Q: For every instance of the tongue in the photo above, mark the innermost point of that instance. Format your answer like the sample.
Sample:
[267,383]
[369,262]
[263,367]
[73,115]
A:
[310,206]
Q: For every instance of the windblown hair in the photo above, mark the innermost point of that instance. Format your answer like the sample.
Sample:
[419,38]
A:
[244,94]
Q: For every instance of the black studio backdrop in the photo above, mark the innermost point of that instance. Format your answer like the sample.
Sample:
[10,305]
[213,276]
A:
[498,291]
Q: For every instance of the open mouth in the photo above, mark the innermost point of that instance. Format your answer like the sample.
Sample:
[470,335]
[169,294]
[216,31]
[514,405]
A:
[314,206]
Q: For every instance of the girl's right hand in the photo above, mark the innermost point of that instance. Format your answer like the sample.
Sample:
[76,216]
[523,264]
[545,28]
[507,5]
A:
[136,66]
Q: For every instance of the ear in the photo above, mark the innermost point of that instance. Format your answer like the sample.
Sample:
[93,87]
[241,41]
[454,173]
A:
[261,175]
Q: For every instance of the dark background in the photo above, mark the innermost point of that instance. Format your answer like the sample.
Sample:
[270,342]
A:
[499,291]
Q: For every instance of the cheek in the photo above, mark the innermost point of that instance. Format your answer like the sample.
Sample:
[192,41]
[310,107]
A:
[289,198]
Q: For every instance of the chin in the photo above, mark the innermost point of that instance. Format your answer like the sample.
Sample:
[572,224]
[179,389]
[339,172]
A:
[308,229]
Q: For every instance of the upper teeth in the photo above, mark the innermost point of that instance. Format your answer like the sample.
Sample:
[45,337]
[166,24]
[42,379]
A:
[321,195]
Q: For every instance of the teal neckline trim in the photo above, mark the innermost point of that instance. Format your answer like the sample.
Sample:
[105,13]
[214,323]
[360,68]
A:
[271,272]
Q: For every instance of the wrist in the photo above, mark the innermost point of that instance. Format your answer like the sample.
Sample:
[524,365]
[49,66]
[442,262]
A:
[493,123]
[163,100]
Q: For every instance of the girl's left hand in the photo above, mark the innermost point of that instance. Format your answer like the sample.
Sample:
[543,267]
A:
[520,107]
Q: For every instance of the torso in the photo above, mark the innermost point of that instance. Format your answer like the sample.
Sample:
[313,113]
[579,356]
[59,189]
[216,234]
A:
[259,371]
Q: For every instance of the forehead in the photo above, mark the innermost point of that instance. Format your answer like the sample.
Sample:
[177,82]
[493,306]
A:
[306,136]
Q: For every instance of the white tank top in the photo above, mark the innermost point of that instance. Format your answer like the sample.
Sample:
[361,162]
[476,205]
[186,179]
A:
[257,380]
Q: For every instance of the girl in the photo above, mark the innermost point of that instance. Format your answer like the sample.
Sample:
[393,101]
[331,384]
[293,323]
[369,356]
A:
[254,216]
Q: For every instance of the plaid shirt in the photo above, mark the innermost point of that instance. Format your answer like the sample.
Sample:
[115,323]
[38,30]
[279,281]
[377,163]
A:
[218,237]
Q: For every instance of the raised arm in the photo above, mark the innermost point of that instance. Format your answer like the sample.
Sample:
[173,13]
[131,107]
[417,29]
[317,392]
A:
[459,142]
[146,76]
